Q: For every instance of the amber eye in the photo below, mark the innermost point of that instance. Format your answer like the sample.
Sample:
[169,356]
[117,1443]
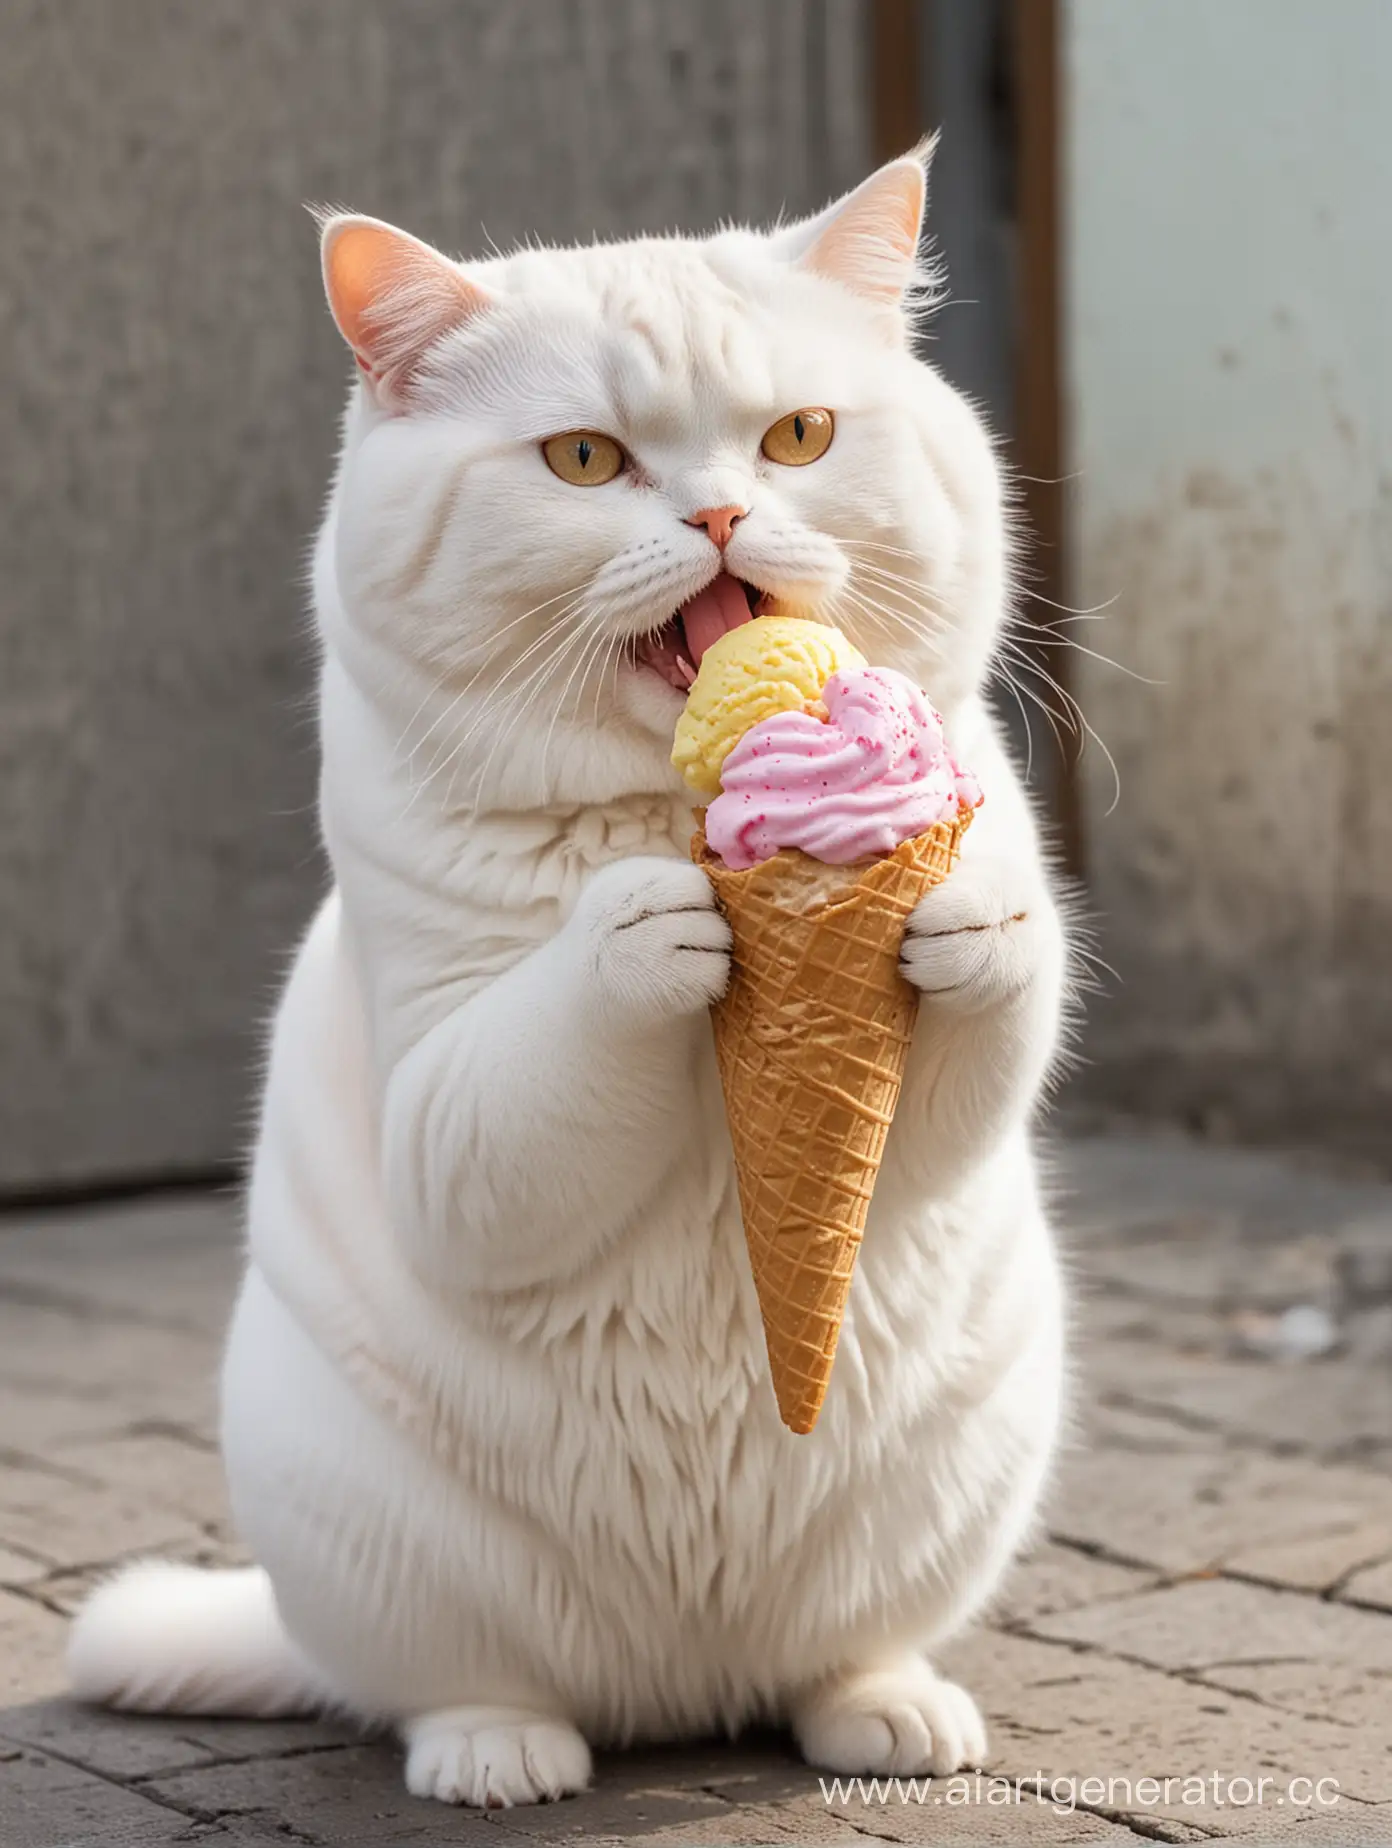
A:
[584,458]
[800,437]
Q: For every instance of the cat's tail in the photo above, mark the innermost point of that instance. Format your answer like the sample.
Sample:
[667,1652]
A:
[163,1638]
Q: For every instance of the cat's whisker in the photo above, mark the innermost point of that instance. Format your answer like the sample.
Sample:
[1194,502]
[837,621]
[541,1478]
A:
[484,658]
[496,703]
[1093,612]
[1009,649]
[1014,691]
[1017,620]
[896,630]
[916,584]
[1095,609]
[572,650]
[1024,664]
[897,622]
[491,698]
[442,719]
[928,602]
[1024,620]
[878,545]
[523,699]
[597,636]
[612,658]
[1018,689]
[1083,728]
[852,599]
[1009,652]
[506,715]
[1036,632]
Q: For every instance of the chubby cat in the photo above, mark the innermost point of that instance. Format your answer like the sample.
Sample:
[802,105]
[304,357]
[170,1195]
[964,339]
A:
[497,1421]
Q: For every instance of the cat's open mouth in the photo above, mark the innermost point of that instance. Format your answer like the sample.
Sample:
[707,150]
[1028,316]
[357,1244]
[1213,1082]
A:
[675,650]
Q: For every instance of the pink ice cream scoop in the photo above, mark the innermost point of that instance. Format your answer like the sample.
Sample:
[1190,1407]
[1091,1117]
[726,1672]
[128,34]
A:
[875,772]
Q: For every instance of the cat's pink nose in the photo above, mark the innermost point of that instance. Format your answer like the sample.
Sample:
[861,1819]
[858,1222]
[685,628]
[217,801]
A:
[719,522]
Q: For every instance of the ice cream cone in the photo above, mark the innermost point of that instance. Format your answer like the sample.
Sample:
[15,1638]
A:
[811,1039]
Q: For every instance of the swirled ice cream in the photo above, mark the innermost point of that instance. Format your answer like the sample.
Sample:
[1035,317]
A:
[876,771]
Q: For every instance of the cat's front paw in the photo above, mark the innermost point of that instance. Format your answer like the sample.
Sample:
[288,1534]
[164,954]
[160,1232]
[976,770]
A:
[653,941]
[981,936]
[900,1721]
[494,1757]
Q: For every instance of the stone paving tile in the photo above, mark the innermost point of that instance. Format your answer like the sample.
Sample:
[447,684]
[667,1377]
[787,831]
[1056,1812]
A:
[1349,1826]
[717,1794]
[1307,1655]
[167,1467]
[39,1412]
[126,1746]
[47,1804]
[1006,1825]
[1144,1433]
[352,1795]
[21,1568]
[73,1522]
[1075,1712]
[1373,1585]
[1216,1596]
[1112,1320]
[1060,1578]
[1183,1263]
[31,1651]
[1339,1407]
[1283,1518]
[141,1370]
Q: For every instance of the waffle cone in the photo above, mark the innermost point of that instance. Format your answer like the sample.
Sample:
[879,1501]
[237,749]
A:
[811,1039]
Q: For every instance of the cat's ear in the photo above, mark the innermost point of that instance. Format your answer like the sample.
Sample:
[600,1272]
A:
[868,240]
[392,297]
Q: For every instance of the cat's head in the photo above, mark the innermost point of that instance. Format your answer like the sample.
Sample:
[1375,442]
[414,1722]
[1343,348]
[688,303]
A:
[553,454]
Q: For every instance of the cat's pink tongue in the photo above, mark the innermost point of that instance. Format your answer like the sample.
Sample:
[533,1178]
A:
[711,613]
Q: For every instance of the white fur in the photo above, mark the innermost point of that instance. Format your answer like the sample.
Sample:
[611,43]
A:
[173,1638]
[497,1417]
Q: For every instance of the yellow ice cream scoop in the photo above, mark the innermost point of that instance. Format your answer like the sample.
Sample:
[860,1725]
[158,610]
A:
[772,664]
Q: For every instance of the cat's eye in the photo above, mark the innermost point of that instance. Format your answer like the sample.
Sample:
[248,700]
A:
[799,438]
[584,458]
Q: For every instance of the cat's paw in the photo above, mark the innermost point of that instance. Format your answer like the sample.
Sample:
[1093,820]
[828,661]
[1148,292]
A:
[981,936]
[653,942]
[903,1721]
[494,1757]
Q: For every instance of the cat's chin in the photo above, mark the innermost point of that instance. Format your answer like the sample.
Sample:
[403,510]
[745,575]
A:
[649,700]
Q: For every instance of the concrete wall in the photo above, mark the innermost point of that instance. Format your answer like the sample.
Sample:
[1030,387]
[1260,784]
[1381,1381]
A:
[169,383]
[1230,373]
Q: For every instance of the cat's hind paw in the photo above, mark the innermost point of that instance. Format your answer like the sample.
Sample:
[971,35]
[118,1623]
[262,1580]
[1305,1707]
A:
[494,1757]
[902,1721]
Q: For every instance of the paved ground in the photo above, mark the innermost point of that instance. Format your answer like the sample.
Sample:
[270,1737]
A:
[1214,1597]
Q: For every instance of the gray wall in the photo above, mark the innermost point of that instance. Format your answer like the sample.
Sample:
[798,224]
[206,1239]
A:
[169,383]
[1230,288]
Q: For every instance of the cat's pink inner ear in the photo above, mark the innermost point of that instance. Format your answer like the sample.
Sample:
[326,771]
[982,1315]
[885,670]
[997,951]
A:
[391,295]
[870,243]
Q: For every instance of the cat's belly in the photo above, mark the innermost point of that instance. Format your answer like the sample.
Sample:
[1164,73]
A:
[651,1553]
[581,1496]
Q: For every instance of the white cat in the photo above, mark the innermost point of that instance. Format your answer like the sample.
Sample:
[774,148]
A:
[498,1425]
